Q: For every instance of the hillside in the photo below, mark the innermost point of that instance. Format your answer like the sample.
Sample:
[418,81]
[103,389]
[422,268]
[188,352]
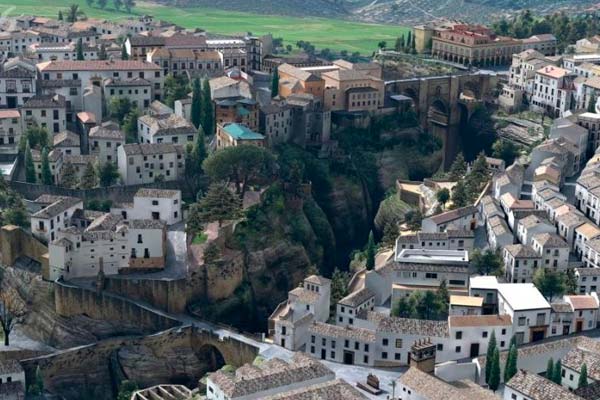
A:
[395,11]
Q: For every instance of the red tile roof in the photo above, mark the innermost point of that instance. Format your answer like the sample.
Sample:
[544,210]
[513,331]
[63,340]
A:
[98,65]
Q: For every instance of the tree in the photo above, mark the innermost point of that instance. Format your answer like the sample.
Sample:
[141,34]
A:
[339,286]
[458,169]
[409,40]
[196,116]
[124,53]
[243,165]
[442,196]
[219,204]
[413,45]
[510,369]
[549,282]
[60,15]
[102,53]
[108,174]
[370,252]
[460,196]
[89,179]
[492,345]
[129,4]
[275,83]
[487,262]
[102,3]
[126,390]
[382,44]
[571,284]
[426,308]
[495,371]
[400,43]
[118,4]
[406,307]
[119,107]
[69,177]
[478,176]
[90,3]
[591,107]
[413,219]
[36,136]
[443,300]
[30,176]
[583,377]
[37,387]
[505,150]
[176,88]
[11,312]
[557,373]
[47,178]
[80,56]
[550,369]
[73,13]
[208,119]
[130,126]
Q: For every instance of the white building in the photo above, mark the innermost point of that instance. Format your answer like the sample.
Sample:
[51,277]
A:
[553,249]
[153,204]
[587,279]
[527,385]
[552,90]
[12,380]
[104,141]
[464,218]
[528,309]
[10,130]
[47,111]
[520,263]
[166,129]
[55,213]
[571,365]
[532,225]
[146,163]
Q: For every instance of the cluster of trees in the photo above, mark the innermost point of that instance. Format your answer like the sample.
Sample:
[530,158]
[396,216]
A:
[487,262]
[424,305]
[122,110]
[117,4]
[176,87]
[566,28]
[73,14]
[469,185]
[12,206]
[506,150]
[406,45]
[553,284]
[554,373]
[325,53]
[202,108]
[492,364]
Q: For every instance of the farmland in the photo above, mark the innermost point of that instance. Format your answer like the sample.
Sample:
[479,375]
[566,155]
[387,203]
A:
[322,32]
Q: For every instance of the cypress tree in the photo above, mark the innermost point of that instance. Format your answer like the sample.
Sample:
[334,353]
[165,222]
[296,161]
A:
[89,180]
[200,149]
[583,377]
[409,40]
[80,56]
[510,369]
[68,177]
[550,369]
[592,104]
[46,173]
[489,356]
[371,252]
[413,43]
[275,83]
[196,103]
[124,55]
[207,109]
[60,15]
[29,167]
[102,53]
[557,373]
[495,371]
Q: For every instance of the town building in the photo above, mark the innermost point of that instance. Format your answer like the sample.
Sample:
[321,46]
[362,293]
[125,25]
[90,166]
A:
[10,130]
[149,162]
[527,385]
[169,128]
[12,380]
[55,212]
[233,134]
[46,111]
[152,204]
[104,140]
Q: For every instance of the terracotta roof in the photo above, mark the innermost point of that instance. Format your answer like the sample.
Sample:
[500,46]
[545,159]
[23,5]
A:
[521,251]
[466,301]
[357,298]
[97,65]
[536,387]
[324,329]
[9,114]
[550,240]
[583,302]
[479,320]
[577,357]
[428,386]
[453,215]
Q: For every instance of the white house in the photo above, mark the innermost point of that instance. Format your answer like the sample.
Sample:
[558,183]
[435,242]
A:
[146,163]
[154,204]
[553,249]
[532,225]
[104,141]
[165,129]
[55,213]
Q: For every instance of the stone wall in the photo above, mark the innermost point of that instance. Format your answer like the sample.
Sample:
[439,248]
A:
[15,243]
[174,355]
[73,300]
[170,295]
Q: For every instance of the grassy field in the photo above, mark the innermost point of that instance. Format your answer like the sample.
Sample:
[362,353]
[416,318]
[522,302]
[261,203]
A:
[331,33]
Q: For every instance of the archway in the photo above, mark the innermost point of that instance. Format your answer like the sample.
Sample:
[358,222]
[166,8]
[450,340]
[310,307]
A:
[211,356]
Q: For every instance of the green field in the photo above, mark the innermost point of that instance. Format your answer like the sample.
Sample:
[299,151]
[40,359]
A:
[331,33]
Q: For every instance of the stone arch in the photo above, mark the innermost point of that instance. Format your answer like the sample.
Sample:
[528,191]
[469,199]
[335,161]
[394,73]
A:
[470,89]
[211,355]
[440,106]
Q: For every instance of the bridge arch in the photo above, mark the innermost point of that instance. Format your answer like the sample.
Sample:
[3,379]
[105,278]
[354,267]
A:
[211,355]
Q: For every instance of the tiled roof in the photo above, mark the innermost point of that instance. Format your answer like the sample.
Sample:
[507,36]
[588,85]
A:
[521,251]
[583,302]
[536,387]
[107,132]
[58,206]
[466,301]
[533,220]
[331,390]
[145,224]
[98,65]
[317,280]
[428,386]
[561,307]
[452,215]
[408,325]
[66,139]
[45,101]
[241,132]
[329,330]
[157,193]
[304,295]
[149,148]
[167,124]
[577,357]
[10,367]
[550,240]
[479,320]
[357,298]
[9,113]
[589,392]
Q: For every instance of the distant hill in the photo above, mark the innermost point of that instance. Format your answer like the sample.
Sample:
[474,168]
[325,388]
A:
[396,11]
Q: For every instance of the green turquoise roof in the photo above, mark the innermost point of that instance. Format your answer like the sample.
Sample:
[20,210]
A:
[241,132]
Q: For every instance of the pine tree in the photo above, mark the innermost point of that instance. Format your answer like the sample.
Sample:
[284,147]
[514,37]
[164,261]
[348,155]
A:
[510,369]
[46,173]
[196,103]
[489,356]
[592,104]
[208,123]
[583,377]
[458,169]
[124,54]
[370,252]
[495,371]
[275,84]
[68,177]
[80,56]
[460,195]
[413,43]
[89,180]
[443,300]
[29,166]
[550,369]
[557,373]
[219,204]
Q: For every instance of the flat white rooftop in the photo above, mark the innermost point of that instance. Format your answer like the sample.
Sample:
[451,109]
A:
[522,296]
[483,282]
[427,256]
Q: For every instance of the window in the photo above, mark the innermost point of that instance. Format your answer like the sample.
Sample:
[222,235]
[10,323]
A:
[398,343]
[484,334]
[139,240]
[440,347]
[457,349]
[356,345]
[522,321]
[154,202]
[458,335]
[384,355]
[366,347]
[384,342]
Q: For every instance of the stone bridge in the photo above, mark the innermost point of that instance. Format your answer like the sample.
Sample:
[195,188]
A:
[444,103]
[178,355]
